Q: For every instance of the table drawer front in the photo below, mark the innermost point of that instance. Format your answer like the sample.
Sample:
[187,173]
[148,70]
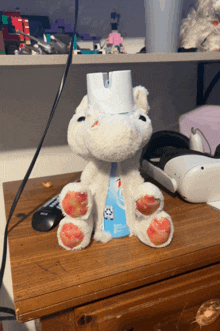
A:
[183,303]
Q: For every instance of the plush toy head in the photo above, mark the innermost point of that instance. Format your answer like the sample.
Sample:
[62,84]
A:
[200,30]
[111,122]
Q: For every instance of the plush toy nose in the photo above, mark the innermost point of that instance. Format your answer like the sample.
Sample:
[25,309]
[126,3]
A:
[94,124]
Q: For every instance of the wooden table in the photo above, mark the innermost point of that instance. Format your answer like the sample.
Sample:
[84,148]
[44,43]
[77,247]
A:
[119,286]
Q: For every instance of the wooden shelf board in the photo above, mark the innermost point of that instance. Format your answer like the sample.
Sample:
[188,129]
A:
[12,60]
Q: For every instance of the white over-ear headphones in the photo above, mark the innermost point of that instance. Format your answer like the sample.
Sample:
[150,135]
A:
[180,164]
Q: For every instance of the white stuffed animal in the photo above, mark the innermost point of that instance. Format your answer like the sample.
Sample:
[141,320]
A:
[109,129]
[201,28]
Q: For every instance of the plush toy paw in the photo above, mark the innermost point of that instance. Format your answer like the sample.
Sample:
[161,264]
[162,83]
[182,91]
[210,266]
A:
[75,201]
[159,230]
[71,235]
[74,234]
[156,231]
[75,204]
[147,205]
[148,200]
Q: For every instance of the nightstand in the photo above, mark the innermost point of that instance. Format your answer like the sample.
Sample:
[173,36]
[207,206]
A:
[119,286]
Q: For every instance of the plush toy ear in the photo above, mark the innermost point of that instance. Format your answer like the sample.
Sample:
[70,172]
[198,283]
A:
[83,104]
[140,98]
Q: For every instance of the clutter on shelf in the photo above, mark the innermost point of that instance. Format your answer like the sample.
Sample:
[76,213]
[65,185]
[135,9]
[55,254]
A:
[9,23]
[114,43]
[19,35]
[35,35]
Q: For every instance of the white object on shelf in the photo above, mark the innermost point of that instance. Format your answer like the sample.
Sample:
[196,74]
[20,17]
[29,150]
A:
[163,18]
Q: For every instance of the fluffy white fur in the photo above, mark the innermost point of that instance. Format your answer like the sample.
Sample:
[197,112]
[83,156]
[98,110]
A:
[116,138]
[198,30]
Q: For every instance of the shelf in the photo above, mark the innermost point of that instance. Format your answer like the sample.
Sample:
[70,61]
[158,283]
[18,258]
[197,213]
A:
[143,58]
[16,60]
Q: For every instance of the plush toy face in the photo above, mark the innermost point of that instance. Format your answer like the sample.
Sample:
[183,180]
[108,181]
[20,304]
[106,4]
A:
[109,137]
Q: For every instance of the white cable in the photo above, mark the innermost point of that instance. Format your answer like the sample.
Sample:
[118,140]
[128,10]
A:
[196,142]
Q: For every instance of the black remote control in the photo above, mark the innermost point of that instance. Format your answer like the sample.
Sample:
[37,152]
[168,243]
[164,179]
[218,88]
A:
[48,216]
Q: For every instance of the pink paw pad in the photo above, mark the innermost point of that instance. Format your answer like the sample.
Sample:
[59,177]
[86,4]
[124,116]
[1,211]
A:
[70,235]
[147,205]
[159,231]
[75,204]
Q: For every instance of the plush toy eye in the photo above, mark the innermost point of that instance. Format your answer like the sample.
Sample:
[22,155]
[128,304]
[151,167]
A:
[81,118]
[142,118]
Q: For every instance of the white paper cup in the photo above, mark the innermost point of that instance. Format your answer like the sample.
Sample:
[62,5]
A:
[163,19]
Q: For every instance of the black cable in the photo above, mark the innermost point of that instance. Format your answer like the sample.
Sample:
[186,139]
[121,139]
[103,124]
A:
[210,88]
[20,190]
[203,97]
[8,311]
[3,318]
[200,84]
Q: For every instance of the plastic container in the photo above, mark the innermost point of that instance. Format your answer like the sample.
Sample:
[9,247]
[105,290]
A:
[163,19]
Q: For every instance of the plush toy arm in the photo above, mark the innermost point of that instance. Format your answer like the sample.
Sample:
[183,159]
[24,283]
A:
[148,199]
[76,201]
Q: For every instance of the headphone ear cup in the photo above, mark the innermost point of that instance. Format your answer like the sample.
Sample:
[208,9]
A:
[161,143]
[217,152]
[169,153]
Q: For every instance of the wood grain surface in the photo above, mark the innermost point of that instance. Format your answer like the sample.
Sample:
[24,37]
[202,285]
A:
[48,279]
[171,305]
